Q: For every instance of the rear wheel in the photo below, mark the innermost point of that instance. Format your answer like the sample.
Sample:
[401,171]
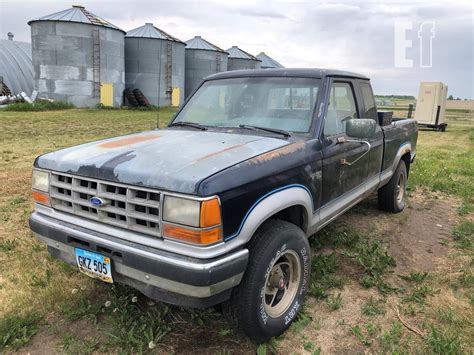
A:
[272,291]
[391,197]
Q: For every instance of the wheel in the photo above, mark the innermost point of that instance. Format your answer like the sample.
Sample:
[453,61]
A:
[272,290]
[391,197]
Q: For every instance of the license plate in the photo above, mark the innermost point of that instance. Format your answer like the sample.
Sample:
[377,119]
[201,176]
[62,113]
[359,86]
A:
[94,265]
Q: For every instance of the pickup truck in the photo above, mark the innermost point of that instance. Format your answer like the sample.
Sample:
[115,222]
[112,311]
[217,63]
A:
[218,206]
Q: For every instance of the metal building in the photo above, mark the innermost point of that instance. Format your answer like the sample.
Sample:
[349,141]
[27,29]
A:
[78,57]
[239,59]
[16,68]
[202,59]
[268,62]
[154,63]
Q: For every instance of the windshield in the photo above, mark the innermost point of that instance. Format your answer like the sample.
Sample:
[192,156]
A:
[278,103]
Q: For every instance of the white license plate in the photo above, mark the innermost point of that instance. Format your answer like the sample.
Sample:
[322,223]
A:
[94,265]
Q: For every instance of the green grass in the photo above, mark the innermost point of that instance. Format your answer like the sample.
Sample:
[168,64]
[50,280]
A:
[334,301]
[38,106]
[442,343]
[369,254]
[463,234]
[415,277]
[16,331]
[373,307]
[73,344]
[445,162]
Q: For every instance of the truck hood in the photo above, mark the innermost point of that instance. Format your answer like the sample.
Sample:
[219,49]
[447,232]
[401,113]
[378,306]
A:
[173,160]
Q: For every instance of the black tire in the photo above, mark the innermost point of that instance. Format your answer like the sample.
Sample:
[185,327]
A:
[274,242]
[392,196]
[141,98]
[132,101]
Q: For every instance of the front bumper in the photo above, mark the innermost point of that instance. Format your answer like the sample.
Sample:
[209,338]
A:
[160,275]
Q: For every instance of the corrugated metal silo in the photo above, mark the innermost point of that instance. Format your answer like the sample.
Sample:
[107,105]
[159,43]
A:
[268,62]
[239,59]
[78,58]
[154,63]
[202,59]
[16,67]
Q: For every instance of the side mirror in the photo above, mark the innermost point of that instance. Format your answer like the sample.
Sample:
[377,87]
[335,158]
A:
[360,128]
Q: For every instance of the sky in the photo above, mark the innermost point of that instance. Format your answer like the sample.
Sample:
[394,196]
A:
[395,43]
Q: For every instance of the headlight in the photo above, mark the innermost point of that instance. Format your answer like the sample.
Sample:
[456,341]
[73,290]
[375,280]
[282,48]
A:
[40,180]
[195,222]
[181,211]
[40,184]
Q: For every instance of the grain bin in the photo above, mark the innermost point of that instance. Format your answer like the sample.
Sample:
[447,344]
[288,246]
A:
[202,59]
[154,63]
[78,58]
[268,62]
[239,59]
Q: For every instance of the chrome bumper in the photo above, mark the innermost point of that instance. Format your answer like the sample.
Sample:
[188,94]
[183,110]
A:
[160,275]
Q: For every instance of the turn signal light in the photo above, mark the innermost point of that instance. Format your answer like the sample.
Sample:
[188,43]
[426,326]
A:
[41,197]
[195,236]
[210,213]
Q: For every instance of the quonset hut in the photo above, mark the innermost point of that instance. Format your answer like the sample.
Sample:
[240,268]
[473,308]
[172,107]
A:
[78,58]
[202,59]
[268,62]
[240,59]
[16,68]
[154,63]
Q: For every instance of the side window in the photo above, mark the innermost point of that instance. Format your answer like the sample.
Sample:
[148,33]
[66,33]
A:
[369,102]
[341,107]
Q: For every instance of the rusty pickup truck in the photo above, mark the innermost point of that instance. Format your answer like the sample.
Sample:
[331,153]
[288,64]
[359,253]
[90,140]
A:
[218,206]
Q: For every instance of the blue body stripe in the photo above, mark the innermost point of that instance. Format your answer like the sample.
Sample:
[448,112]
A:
[261,199]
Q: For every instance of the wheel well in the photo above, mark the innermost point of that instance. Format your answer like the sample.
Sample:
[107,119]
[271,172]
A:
[294,214]
[407,159]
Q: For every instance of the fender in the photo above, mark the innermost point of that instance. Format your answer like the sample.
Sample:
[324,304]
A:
[268,205]
[387,173]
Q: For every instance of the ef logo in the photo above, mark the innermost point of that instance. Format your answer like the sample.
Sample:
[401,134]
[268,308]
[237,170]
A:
[422,36]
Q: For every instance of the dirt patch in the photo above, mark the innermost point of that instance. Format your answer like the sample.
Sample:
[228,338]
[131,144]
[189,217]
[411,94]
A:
[417,237]
[48,339]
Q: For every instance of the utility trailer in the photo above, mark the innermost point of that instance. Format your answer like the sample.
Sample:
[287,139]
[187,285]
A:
[431,105]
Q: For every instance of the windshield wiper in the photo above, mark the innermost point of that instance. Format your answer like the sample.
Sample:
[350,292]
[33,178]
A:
[188,124]
[272,130]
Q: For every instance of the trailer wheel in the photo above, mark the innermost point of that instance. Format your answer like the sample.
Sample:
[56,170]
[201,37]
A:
[391,197]
[272,290]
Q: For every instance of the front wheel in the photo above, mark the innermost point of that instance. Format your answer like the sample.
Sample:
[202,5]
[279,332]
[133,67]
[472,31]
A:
[391,197]
[272,291]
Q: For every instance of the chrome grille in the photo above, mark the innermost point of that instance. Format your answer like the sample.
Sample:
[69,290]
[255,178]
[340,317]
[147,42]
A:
[129,207]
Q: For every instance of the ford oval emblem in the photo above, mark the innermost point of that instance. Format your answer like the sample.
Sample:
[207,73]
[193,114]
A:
[97,201]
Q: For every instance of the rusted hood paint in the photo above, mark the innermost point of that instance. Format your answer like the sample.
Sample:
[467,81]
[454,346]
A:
[173,160]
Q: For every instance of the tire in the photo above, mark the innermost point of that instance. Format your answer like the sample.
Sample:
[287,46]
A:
[392,196]
[141,98]
[132,101]
[279,255]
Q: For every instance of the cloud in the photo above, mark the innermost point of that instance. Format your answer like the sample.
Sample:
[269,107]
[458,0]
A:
[356,36]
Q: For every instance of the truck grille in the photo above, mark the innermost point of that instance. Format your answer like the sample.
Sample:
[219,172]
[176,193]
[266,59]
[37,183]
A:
[129,207]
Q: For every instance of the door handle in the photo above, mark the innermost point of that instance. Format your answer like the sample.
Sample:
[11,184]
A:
[369,147]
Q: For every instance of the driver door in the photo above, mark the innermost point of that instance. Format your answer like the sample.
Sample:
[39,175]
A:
[338,179]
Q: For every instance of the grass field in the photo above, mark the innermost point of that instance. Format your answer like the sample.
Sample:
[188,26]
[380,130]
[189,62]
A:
[371,290]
